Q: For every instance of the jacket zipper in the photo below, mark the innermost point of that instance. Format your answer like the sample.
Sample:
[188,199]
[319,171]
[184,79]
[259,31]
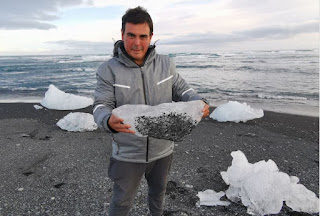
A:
[145,100]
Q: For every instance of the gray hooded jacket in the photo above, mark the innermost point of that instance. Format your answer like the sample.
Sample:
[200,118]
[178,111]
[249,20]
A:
[121,81]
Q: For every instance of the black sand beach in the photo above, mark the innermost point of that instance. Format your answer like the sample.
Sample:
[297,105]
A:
[47,171]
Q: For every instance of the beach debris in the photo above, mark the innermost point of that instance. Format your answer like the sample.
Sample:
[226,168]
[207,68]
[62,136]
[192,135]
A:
[170,121]
[37,107]
[59,100]
[262,188]
[234,111]
[31,134]
[77,122]
[211,198]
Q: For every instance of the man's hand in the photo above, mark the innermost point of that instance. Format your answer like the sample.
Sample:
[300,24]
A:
[117,124]
[205,110]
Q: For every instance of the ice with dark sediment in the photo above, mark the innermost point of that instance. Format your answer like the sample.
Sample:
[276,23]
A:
[170,121]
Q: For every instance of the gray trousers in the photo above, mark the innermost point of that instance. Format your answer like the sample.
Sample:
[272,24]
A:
[126,177]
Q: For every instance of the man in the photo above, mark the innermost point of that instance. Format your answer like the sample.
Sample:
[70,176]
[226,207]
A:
[137,75]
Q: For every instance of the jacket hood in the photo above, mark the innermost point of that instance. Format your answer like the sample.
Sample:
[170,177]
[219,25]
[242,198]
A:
[122,56]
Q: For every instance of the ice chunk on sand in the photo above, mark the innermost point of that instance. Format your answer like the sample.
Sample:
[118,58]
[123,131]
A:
[234,111]
[37,107]
[263,188]
[59,100]
[171,121]
[212,198]
[77,122]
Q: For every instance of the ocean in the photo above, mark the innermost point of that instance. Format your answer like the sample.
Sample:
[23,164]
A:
[280,81]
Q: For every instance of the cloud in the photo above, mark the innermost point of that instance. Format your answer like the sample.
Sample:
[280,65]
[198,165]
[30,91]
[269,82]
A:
[33,14]
[270,32]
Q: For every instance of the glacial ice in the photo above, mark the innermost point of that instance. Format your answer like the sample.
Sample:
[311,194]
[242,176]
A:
[37,107]
[77,122]
[211,198]
[171,121]
[234,111]
[59,100]
[263,188]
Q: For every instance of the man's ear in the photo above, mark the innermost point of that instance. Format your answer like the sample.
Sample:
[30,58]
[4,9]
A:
[122,33]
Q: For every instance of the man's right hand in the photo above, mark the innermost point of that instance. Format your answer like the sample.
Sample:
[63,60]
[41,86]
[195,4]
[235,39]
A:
[117,124]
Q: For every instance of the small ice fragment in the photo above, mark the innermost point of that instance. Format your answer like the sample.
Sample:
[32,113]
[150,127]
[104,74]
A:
[37,107]
[20,189]
[212,198]
[189,186]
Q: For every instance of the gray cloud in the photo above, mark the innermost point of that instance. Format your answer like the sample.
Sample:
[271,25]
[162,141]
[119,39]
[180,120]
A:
[32,14]
[272,32]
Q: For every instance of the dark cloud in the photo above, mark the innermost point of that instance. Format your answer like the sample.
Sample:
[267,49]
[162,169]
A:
[272,32]
[32,14]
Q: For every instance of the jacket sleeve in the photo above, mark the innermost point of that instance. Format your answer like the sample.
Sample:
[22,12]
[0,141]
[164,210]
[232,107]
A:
[104,100]
[181,91]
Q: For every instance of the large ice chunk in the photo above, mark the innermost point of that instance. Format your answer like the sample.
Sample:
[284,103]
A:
[234,111]
[77,122]
[171,121]
[59,100]
[263,188]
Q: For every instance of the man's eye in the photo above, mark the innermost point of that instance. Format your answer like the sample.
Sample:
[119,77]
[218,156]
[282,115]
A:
[131,35]
[143,36]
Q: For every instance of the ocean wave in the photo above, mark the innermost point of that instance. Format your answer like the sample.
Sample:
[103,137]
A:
[228,54]
[305,50]
[96,58]
[17,72]
[199,66]
[281,97]
[25,89]
[205,55]
[70,61]
[245,68]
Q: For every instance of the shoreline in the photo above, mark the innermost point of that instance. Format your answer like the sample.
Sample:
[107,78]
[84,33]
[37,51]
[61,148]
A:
[281,109]
[46,170]
[88,109]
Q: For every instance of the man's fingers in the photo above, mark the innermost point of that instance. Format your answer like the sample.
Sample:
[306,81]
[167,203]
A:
[205,111]
[126,131]
[123,128]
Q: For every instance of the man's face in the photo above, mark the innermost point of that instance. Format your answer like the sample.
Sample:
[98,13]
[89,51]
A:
[136,40]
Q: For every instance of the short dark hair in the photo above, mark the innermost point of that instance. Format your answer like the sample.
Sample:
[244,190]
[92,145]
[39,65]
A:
[137,15]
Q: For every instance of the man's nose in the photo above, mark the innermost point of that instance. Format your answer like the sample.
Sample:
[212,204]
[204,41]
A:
[137,41]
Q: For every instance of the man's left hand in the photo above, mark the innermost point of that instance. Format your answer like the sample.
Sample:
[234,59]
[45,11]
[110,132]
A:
[205,110]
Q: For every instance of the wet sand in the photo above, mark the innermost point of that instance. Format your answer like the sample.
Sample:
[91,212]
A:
[48,171]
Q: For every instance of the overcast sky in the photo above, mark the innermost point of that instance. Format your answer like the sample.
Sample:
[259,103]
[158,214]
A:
[89,26]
